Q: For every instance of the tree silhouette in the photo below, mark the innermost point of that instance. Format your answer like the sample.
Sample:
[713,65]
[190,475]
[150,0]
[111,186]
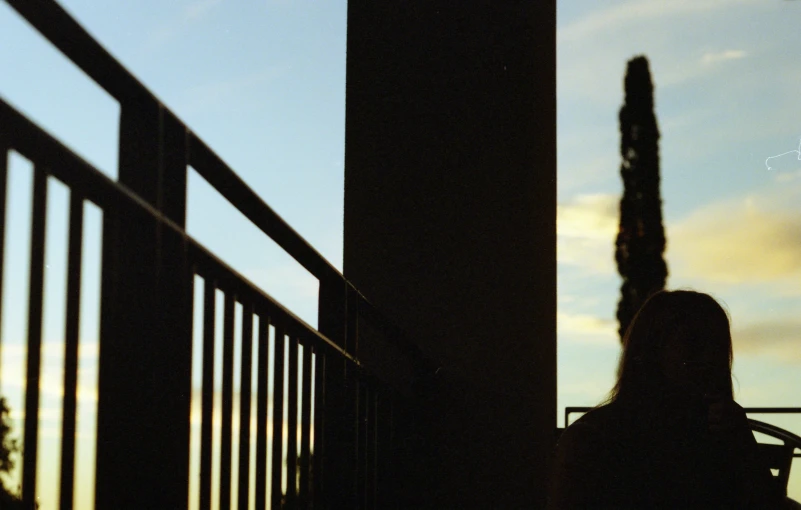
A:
[641,238]
[9,447]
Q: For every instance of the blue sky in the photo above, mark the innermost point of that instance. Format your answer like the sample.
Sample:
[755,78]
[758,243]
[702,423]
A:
[263,83]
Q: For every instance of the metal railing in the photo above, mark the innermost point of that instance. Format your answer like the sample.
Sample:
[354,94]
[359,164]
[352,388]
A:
[748,410]
[751,410]
[149,267]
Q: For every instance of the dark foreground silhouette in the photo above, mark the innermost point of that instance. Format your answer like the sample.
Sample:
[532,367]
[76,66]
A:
[669,435]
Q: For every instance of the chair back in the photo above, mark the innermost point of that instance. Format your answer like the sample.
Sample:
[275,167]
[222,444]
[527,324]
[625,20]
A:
[777,456]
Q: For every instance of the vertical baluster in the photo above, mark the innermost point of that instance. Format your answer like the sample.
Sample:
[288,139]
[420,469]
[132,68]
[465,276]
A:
[362,409]
[244,407]
[317,474]
[370,445]
[355,401]
[278,417]
[305,426]
[262,399]
[227,402]
[207,398]
[35,305]
[338,471]
[376,420]
[292,424]
[384,450]
[71,351]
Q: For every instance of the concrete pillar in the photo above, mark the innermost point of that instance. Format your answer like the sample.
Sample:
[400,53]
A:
[450,229]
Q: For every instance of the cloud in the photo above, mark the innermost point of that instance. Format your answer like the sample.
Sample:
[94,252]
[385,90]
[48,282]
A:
[751,239]
[51,350]
[589,215]
[680,69]
[755,238]
[584,328]
[778,338]
[54,389]
[744,240]
[586,227]
[712,57]
[786,177]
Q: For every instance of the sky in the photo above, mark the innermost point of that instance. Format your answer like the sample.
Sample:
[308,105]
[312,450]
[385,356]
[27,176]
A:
[263,83]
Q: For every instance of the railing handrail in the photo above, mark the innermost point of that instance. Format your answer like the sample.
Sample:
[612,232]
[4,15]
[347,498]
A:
[74,42]
[35,144]
[755,410]
[755,424]
[217,173]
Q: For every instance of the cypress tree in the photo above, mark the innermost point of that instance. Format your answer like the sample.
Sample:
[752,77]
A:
[641,237]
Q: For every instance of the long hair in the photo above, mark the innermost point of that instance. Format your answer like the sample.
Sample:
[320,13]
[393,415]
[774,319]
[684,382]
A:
[691,317]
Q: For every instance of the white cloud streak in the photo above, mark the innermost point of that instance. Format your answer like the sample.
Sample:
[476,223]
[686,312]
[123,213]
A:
[585,324]
[617,17]
[713,57]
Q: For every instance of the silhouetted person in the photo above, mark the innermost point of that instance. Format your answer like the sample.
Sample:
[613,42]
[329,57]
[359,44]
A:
[670,434]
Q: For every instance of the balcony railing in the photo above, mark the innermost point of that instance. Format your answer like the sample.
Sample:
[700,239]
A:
[149,269]
[748,410]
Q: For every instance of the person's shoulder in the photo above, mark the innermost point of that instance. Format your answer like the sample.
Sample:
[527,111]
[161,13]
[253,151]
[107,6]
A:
[601,417]
[587,456]
[594,426]
[600,426]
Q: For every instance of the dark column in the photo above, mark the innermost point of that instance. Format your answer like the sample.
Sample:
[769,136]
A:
[450,228]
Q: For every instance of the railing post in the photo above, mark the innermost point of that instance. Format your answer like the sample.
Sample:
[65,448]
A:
[144,382]
[337,462]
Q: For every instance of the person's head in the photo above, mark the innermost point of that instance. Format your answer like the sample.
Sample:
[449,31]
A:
[679,342]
